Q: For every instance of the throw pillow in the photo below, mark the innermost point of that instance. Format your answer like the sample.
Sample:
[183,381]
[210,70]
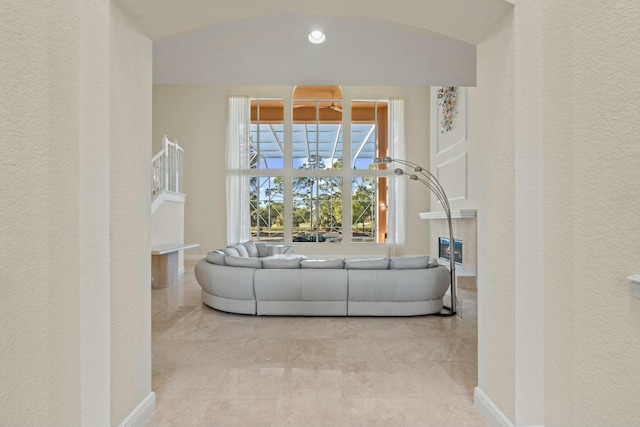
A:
[367,264]
[251,248]
[239,261]
[281,263]
[241,250]
[216,257]
[409,262]
[322,263]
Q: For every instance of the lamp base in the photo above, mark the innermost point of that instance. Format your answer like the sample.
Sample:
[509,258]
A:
[446,313]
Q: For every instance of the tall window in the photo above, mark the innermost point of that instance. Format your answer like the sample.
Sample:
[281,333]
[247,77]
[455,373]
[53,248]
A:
[319,184]
[266,183]
[368,188]
[317,164]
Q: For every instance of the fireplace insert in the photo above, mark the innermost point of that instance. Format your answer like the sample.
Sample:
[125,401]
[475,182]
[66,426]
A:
[443,249]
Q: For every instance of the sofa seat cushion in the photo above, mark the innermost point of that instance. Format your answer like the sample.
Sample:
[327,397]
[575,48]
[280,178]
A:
[240,261]
[398,285]
[301,285]
[322,263]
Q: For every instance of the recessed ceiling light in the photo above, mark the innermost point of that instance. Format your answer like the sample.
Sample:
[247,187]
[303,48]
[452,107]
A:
[317,36]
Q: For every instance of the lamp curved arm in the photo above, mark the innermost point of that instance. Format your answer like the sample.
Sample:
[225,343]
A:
[442,198]
[435,186]
[432,183]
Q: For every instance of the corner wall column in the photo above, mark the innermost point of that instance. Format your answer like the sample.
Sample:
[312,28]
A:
[94,214]
[529,303]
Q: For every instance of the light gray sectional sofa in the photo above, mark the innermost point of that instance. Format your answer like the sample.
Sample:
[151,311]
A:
[258,282]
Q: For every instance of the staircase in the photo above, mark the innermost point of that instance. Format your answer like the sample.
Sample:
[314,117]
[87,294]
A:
[167,205]
[166,179]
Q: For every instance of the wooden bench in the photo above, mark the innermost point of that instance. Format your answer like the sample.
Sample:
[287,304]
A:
[164,263]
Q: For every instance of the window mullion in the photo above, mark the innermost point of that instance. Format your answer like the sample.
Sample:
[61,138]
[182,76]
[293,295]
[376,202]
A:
[347,172]
[288,162]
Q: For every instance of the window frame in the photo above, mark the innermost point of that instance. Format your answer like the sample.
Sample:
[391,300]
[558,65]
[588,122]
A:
[346,174]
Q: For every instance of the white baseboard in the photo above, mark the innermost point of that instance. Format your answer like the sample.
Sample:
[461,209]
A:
[489,410]
[142,413]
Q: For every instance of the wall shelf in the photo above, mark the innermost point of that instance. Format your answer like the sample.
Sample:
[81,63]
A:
[459,214]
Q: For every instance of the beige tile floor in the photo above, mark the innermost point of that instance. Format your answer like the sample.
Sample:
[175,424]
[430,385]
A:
[217,369]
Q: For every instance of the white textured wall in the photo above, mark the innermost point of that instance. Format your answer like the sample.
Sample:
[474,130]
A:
[197,117]
[529,204]
[167,223]
[94,212]
[167,226]
[555,121]
[591,104]
[65,166]
[130,188]
[491,187]
[39,195]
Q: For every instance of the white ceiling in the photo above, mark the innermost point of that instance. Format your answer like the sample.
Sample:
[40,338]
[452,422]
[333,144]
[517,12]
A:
[369,42]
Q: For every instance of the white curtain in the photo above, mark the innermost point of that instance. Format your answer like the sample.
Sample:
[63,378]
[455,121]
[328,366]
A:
[397,185]
[237,182]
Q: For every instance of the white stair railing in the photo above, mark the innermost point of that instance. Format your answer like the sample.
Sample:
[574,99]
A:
[166,168]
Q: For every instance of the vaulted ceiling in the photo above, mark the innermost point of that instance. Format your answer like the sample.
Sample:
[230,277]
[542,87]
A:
[369,42]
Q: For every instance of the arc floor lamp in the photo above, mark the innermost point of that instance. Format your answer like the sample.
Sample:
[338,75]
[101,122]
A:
[422,175]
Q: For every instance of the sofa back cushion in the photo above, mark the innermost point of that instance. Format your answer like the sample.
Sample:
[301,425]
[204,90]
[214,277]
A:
[322,263]
[263,249]
[230,251]
[240,261]
[251,247]
[409,262]
[242,251]
[281,263]
[216,257]
[367,264]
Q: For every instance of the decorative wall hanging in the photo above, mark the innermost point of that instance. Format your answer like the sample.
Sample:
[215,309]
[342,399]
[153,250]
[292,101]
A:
[447,101]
